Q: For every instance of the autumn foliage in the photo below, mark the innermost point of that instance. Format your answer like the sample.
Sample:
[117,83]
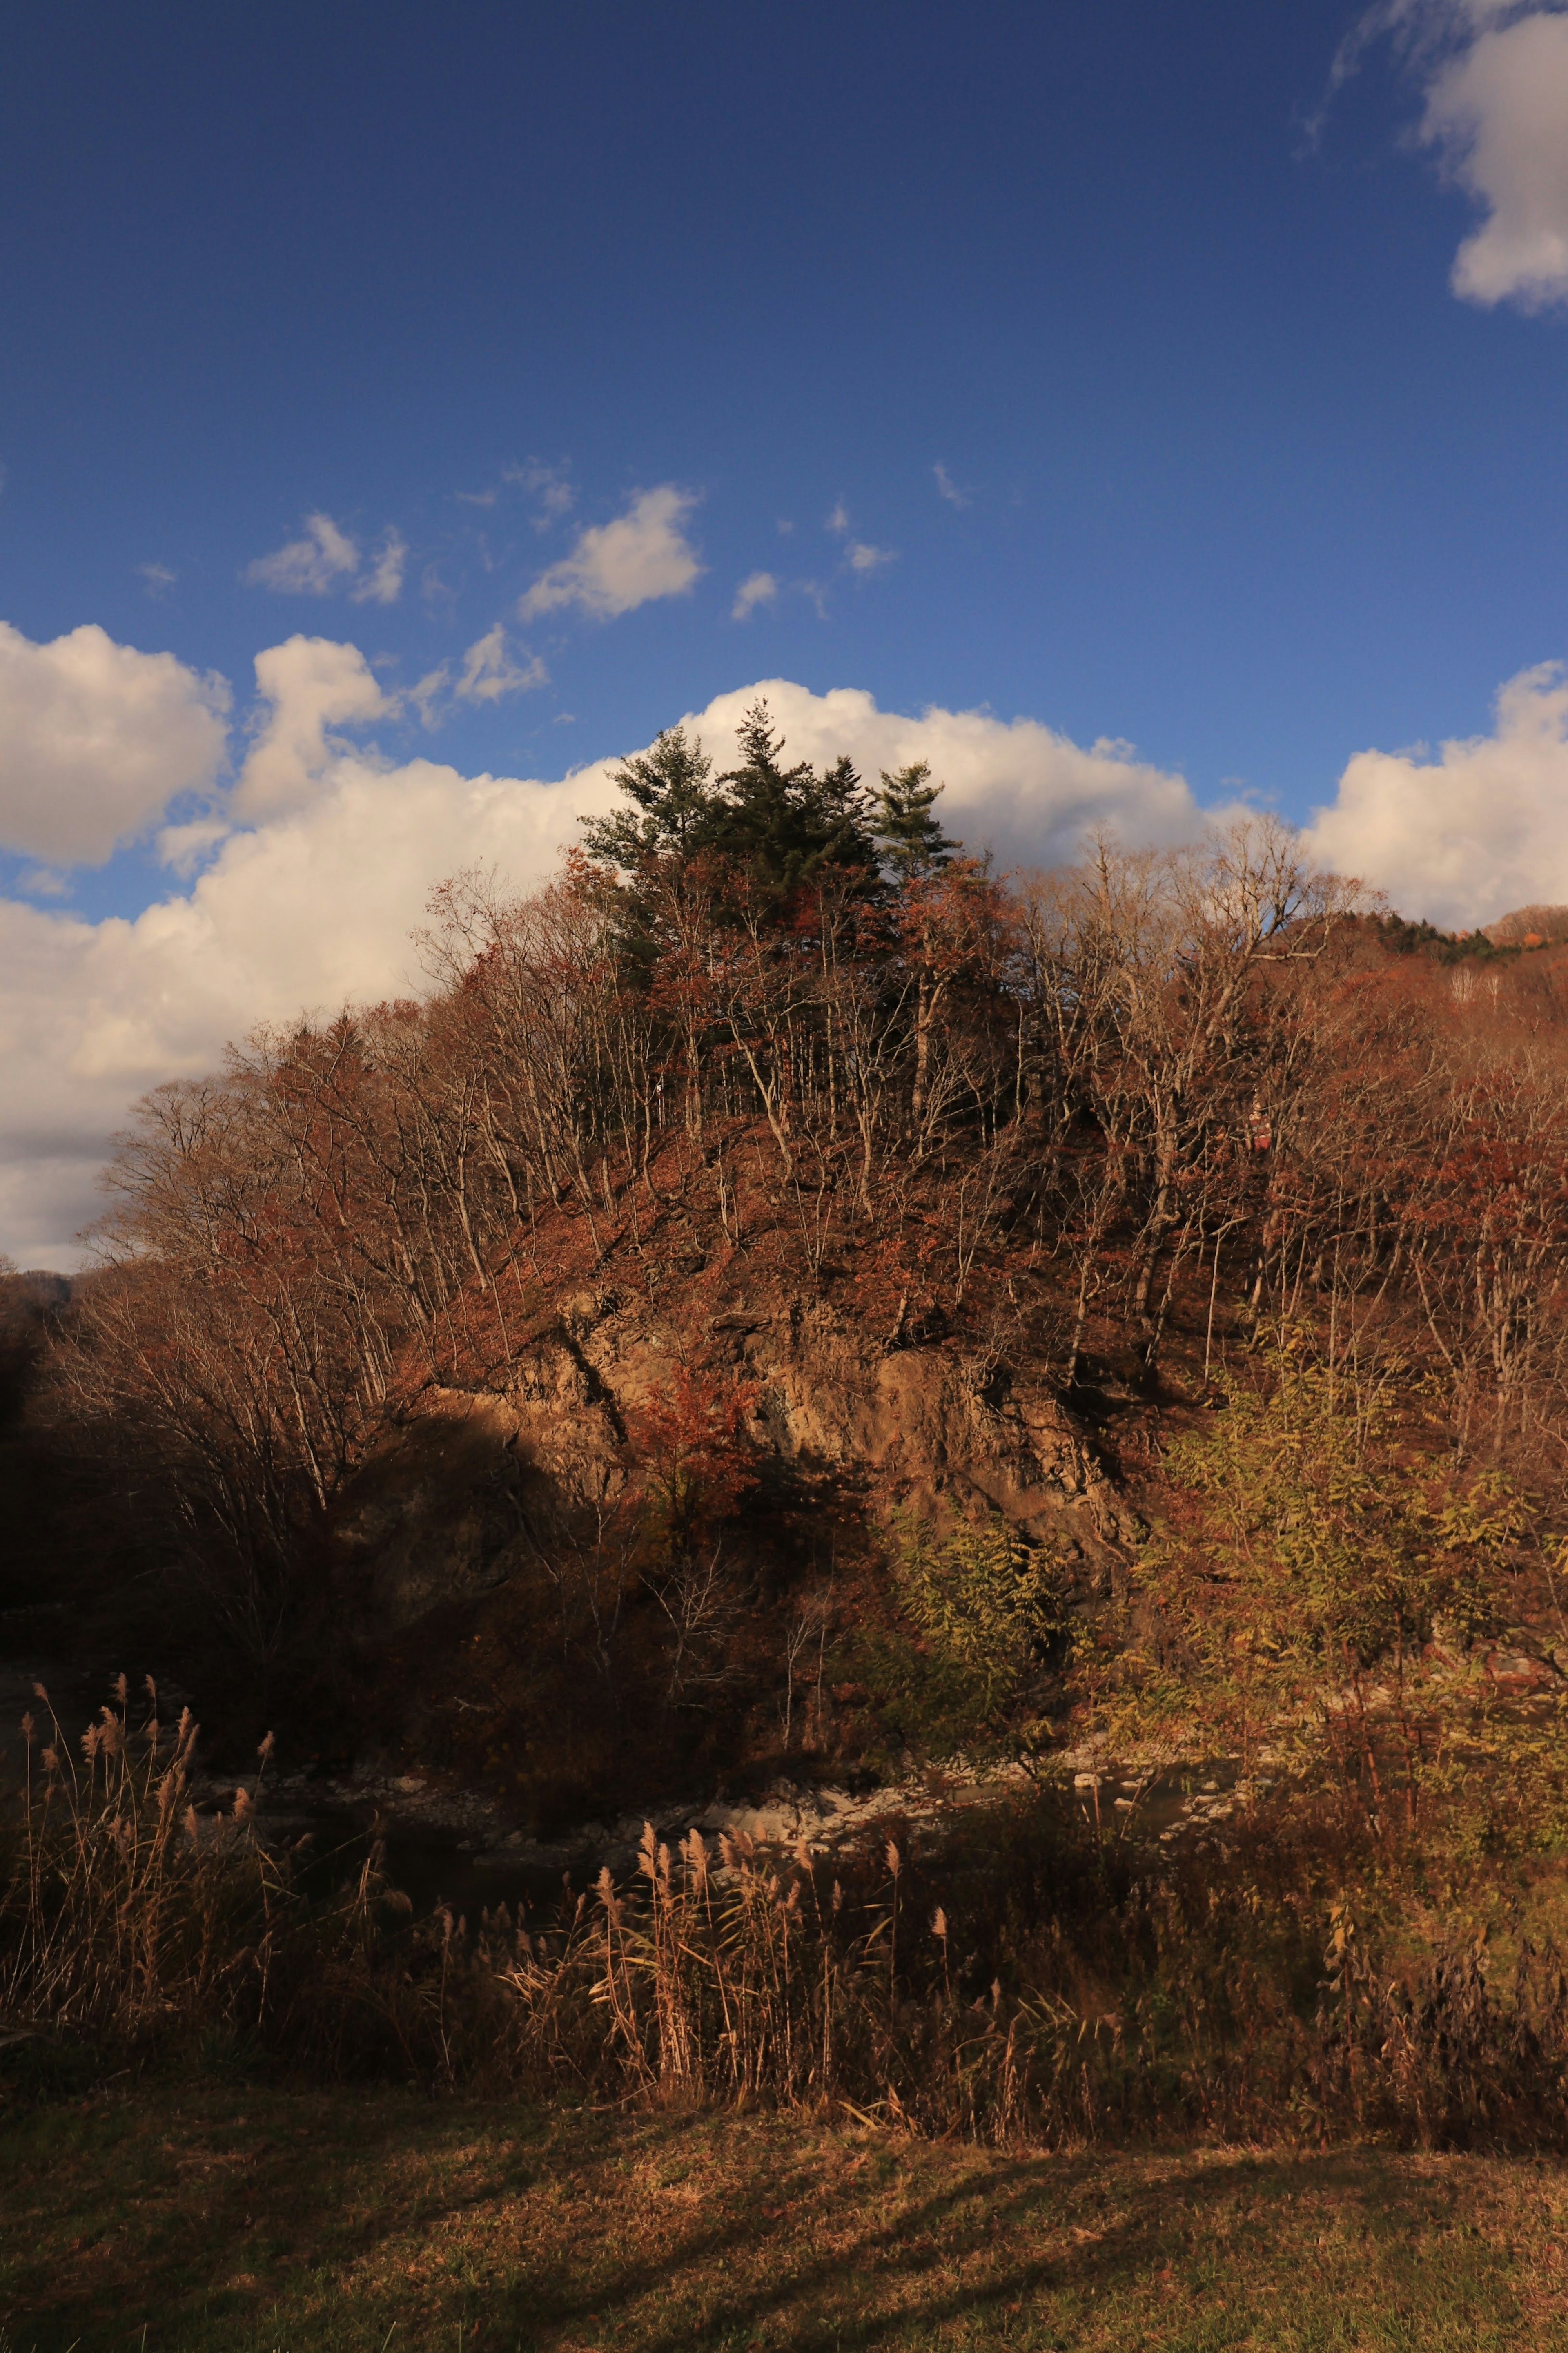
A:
[1107,1126]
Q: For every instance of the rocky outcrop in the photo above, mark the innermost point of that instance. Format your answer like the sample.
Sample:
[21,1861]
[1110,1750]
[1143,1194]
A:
[445,1514]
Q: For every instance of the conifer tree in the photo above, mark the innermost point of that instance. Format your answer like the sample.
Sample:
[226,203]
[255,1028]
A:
[675,811]
[786,826]
[912,842]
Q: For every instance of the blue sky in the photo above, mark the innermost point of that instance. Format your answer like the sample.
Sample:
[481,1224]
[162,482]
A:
[1093,360]
[1247,484]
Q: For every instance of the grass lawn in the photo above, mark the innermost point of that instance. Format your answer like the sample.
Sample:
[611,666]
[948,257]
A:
[180,2216]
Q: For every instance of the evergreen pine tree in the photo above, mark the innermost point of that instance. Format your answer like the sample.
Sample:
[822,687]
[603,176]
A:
[913,843]
[675,811]
[786,826]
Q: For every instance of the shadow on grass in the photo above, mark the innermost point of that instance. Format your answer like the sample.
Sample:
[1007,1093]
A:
[272,2221]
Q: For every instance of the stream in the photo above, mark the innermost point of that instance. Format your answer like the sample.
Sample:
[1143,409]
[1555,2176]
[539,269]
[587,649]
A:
[445,1844]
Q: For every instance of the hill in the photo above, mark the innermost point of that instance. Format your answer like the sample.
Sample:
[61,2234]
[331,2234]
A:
[751,1315]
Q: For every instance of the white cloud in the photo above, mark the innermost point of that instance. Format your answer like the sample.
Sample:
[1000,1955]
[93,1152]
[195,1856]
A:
[549,485]
[1013,786]
[859,555]
[1499,113]
[95,740]
[488,671]
[382,584]
[307,566]
[429,696]
[184,848]
[1494,75]
[311,684]
[1463,836]
[618,566]
[314,903]
[756,588]
[946,488]
[157,578]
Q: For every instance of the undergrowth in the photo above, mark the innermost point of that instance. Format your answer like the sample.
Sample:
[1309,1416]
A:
[1024,1977]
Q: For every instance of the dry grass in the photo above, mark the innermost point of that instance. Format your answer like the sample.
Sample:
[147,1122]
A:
[1023,1982]
[131,1924]
[218,2220]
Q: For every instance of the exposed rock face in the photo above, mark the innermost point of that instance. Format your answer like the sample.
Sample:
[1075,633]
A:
[923,1425]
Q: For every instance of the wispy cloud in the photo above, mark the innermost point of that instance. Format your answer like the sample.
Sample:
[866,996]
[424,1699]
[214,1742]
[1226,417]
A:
[946,488]
[326,557]
[382,584]
[616,567]
[157,578]
[184,848]
[489,671]
[757,589]
[549,484]
[309,566]
[430,695]
[859,555]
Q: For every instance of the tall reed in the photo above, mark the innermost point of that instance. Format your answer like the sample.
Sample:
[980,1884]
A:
[1022,1979]
[119,1909]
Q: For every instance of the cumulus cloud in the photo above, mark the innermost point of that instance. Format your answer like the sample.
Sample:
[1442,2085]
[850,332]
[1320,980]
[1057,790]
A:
[1500,114]
[618,566]
[95,740]
[1494,75]
[756,588]
[1464,836]
[314,902]
[310,684]
[309,566]
[382,584]
[1013,786]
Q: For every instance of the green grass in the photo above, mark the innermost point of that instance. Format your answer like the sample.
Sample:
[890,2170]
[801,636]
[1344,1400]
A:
[210,2217]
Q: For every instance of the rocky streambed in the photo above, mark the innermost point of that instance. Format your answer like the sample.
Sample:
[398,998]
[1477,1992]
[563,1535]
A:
[445,1842]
